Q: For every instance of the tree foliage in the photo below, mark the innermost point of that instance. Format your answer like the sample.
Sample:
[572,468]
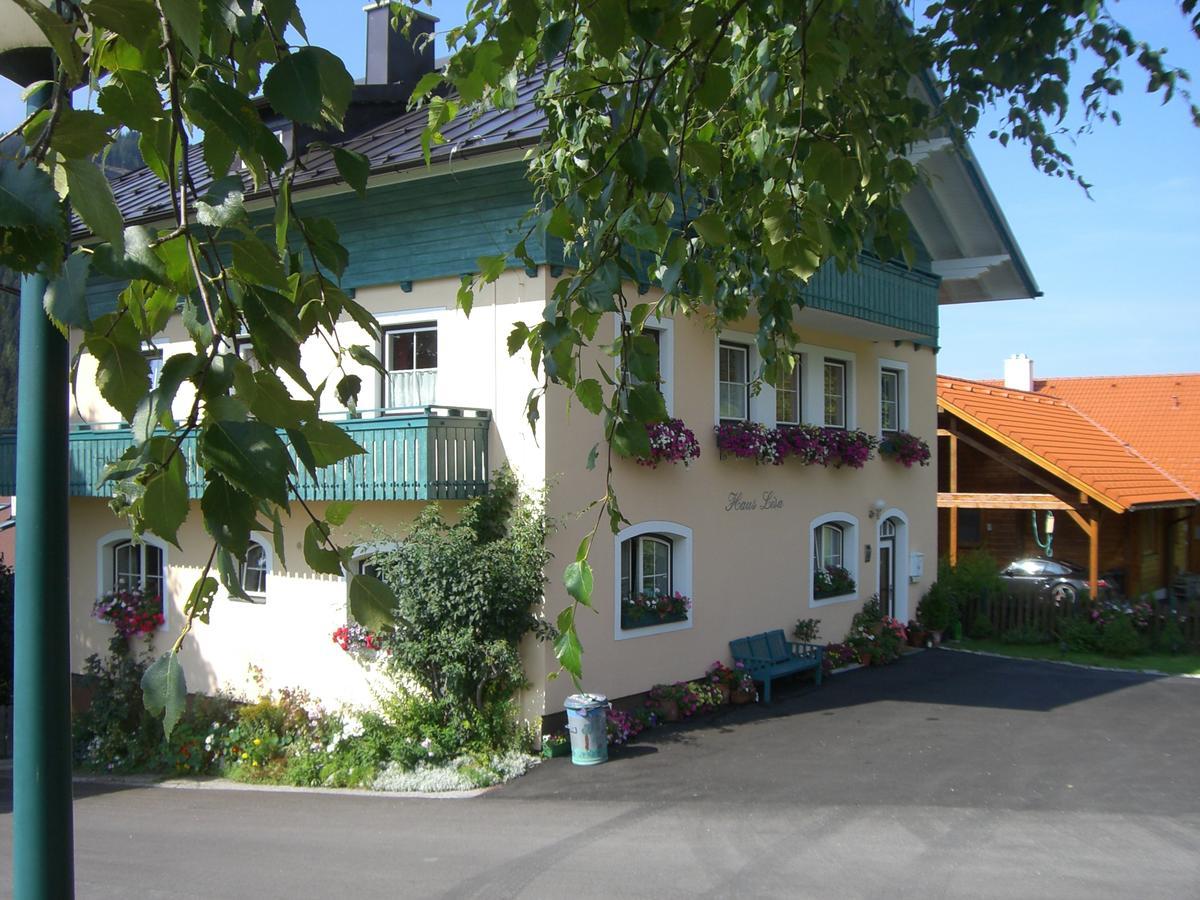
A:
[723,149]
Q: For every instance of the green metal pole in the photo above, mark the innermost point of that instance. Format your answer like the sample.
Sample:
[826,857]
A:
[43,857]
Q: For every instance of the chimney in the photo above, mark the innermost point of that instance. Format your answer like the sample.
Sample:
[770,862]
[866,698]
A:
[1018,372]
[391,57]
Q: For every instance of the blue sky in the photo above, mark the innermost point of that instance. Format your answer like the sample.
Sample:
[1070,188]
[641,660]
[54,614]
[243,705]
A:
[1118,271]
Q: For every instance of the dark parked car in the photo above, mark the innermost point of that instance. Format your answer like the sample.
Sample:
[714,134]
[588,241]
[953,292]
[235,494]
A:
[1051,579]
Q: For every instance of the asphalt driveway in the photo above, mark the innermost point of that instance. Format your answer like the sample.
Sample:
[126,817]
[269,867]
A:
[948,775]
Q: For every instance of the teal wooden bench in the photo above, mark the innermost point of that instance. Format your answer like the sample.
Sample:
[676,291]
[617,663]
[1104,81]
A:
[771,655]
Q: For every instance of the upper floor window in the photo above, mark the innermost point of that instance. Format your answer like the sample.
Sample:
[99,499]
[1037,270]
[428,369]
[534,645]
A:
[733,381]
[410,356]
[835,393]
[893,396]
[154,359]
[787,397]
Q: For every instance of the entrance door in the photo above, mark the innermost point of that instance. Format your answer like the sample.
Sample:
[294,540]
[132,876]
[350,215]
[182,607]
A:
[887,568]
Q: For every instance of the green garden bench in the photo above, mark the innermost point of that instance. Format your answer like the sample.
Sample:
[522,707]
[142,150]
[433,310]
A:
[771,655]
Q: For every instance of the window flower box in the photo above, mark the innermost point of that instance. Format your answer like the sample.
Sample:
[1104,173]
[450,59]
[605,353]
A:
[832,581]
[670,441]
[647,610]
[807,444]
[130,612]
[905,448]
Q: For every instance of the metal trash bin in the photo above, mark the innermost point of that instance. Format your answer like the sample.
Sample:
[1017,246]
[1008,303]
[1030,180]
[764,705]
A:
[587,723]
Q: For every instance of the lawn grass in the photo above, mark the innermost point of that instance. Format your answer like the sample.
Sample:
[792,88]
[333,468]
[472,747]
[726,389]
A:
[1172,664]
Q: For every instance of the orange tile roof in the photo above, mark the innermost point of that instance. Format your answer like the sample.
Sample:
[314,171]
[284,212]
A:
[1064,441]
[1157,415]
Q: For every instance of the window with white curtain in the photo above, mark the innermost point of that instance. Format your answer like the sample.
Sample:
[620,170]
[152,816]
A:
[410,356]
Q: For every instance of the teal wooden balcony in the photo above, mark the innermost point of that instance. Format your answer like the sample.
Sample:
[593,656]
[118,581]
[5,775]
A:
[430,454]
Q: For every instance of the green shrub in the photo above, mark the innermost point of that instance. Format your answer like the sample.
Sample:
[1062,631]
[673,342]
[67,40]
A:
[468,593]
[1079,634]
[1119,637]
[982,628]
[116,733]
[937,611]
[1171,638]
[807,630]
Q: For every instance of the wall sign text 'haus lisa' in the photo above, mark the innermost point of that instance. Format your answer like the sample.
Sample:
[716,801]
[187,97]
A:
[739,502]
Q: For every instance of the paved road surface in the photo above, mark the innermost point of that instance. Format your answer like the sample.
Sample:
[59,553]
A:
[948,775]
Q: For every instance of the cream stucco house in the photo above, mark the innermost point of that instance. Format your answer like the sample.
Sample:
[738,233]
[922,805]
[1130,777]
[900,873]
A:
[740,540]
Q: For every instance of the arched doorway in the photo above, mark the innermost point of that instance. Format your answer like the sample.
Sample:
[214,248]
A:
[887,567]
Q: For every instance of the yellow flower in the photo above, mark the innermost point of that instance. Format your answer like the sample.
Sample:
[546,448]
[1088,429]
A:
[245,756]
[257,741]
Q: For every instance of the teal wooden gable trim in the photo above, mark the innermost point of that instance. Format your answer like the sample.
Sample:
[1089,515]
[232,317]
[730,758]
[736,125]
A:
[879,292]
[434,227]
[432,454]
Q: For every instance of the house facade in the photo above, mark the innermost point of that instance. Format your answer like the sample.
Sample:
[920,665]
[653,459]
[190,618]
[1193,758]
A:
[741,541]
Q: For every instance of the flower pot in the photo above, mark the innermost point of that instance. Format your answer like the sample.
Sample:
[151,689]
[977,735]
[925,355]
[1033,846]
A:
[917,638]
[866,658]
[740,696]
[935,638]
[669,710]
[724,690]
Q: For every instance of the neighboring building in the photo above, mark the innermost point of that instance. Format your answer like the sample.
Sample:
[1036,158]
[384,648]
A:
[1114,457]
[742,540]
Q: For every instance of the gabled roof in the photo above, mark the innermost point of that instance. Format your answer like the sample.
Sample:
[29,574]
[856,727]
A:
[1065,442]
[1157,415]
[957,218]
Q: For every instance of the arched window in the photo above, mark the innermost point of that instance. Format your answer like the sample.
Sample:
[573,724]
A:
[834,559]
[653,579]
[137,567]
[254,571]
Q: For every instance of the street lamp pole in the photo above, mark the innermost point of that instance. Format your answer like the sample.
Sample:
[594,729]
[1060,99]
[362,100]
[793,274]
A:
[43,851]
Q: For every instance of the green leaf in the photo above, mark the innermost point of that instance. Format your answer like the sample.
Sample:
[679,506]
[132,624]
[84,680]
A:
[228,515]
[517,338]
[630,440]
[555,37]
[256,263]
[492,267]
[200,600]
[366,357]
[250,456]
[329,443]
[590,395]
[231,575]
[92,197]
[66,297]
[28,200]
[570,653]
[337,512]
[354,167]
[309,86]
[132,98]
[122,373]
[711,227]
[320,559]
[578,581]
[645,403]
[164,690]
[80,133]
[585,547]
[222,202]
[274,404]
[165,503]
[278,537]
[184,17]
[592,456]
[372,603]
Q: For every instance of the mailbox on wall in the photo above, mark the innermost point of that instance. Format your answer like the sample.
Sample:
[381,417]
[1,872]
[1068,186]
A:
[916,567]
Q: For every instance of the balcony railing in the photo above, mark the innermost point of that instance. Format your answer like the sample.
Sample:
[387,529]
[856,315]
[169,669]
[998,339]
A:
[434,453]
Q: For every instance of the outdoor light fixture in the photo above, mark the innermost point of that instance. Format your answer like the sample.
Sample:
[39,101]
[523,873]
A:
[42,845]
[1049,529]
[877,509]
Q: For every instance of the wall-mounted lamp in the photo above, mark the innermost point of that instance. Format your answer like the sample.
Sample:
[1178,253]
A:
[877,509]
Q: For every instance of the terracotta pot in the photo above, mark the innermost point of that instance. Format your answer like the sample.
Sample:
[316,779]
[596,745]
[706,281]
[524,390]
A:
[917,638]
[669,710]
[724,691]
[866,658]
[739,696]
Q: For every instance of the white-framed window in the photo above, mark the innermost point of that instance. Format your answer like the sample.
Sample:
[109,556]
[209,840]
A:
[834,559]
[835,394]
[653,579]
[253,573]
[125,564]
[893,396]
[366,557]
[662,332]
[788,405]
[410,357]
[733,381]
